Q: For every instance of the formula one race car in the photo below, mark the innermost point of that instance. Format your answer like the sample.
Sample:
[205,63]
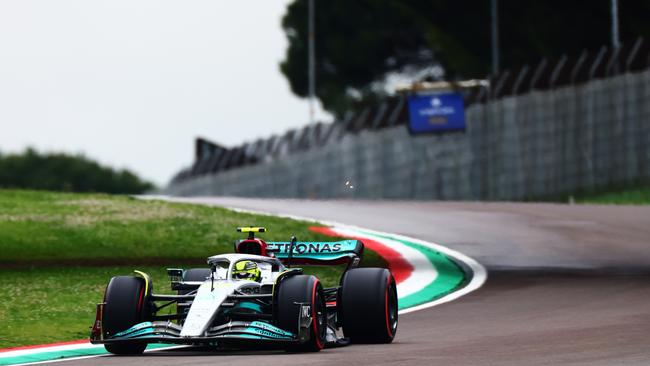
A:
[253,297]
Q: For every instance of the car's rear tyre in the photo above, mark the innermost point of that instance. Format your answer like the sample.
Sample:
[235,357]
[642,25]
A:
[302,289]
[126,306]
[368,305]
[195,275]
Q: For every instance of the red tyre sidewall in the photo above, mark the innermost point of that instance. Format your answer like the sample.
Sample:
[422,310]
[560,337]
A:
[389,281]
[316,333]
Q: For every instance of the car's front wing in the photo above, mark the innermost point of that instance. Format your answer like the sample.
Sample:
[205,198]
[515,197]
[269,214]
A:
[168,332]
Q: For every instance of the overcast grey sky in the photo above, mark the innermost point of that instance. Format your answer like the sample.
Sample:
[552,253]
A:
[132,83]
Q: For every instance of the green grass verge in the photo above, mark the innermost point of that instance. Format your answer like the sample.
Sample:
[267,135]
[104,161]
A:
[59,251]
[55,228]
[632,196]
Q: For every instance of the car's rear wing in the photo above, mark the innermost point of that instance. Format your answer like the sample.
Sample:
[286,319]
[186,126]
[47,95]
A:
[348,252]
[318,253]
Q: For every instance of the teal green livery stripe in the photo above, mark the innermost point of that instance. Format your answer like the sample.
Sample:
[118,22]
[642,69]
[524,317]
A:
[450,275]
[57,355]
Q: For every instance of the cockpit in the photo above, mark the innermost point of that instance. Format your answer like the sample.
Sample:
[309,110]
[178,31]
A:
[238,267]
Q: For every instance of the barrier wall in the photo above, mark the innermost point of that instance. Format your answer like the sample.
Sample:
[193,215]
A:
[536,145]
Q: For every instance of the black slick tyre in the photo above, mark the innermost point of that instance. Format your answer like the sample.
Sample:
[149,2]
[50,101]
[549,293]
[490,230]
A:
[126,305]
[302,289]
[368,305]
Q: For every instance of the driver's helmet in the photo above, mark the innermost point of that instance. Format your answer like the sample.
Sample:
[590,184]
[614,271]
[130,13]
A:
[247,270]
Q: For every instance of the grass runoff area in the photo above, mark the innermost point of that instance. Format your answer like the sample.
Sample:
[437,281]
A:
[58,251]
[631,196]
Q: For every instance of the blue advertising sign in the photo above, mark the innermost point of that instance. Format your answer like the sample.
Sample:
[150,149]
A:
[436,112]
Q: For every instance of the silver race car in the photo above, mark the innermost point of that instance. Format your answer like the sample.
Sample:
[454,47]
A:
[253,297]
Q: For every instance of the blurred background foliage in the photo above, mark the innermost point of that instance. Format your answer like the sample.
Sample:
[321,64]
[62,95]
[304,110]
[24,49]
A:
[68,173]
[360,43]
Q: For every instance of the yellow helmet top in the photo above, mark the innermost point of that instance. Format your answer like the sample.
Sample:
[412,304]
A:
[247,270]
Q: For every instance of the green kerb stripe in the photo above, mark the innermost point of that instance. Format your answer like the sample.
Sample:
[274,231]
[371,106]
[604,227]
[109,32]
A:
[450,275]
[57,355]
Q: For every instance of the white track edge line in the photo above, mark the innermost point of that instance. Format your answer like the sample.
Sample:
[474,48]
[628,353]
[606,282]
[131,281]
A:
[91,356]
[56,360]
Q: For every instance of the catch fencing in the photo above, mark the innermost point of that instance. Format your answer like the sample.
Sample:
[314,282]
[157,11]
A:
[540,144]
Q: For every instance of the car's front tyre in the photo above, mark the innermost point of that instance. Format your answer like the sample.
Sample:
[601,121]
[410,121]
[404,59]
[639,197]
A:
[126,305]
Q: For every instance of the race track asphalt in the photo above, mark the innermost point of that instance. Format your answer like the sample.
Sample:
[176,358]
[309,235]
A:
[566,285]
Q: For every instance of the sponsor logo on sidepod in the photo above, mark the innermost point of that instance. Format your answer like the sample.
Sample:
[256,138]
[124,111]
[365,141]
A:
[301,248]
